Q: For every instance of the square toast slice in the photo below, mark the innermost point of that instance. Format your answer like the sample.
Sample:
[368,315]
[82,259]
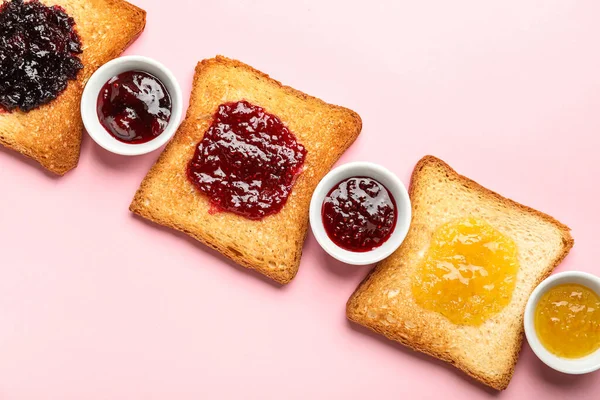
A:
[384,302]
[272,245]
[51,134]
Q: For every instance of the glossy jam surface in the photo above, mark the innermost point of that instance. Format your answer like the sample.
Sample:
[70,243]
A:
[469,272]
[247,161]
[39,50]
[134,107]
[567,321]
[359,214]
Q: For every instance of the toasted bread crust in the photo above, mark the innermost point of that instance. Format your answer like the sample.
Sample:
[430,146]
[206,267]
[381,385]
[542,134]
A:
[441,345]
[51,134]
[273,245]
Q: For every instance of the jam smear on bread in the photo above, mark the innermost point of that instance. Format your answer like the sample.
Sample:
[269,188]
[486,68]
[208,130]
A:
[38,53]
[247,161]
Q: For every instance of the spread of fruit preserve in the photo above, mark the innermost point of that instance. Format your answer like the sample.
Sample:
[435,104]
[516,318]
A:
[469,272]
[134,107]
[567,320]
[247,161]
[38,54]
[359,214]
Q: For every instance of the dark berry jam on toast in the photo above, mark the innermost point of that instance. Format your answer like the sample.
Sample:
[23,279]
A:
[39,50]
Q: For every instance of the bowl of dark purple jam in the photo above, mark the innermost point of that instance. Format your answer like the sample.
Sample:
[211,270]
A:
[360,213]
[132,105]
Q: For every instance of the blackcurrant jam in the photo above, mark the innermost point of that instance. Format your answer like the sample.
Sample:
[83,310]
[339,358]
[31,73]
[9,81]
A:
[39,50]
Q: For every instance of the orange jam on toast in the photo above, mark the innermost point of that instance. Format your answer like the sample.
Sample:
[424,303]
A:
[469,272]
[567,320]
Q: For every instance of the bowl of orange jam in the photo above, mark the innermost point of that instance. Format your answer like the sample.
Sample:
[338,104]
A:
[562,322]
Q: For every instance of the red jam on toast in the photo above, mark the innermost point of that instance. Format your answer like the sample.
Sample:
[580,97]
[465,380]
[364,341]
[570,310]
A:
[247,161]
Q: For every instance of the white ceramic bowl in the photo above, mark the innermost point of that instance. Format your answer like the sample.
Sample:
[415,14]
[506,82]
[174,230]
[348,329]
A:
[576,366]
[101,76]
[386,178]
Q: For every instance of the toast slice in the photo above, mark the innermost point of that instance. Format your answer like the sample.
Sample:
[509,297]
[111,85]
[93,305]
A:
[51,134]
[272,245]
[384,302]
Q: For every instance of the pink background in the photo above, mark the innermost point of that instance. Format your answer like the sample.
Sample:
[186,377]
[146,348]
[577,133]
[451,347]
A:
[98,304]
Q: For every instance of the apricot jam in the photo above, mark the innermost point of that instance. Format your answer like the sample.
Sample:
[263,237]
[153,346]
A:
[567,321]
[469,272]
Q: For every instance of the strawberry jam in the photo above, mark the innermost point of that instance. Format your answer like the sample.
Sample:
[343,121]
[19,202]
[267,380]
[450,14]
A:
[247,161]
[39,50]
[134,107]
[359,214]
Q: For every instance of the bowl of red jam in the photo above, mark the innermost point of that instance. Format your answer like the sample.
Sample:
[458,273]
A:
[132,105]
[360,213]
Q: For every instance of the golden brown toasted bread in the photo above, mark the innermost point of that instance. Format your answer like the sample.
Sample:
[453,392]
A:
[51,134]
[384,301]
[273,245]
